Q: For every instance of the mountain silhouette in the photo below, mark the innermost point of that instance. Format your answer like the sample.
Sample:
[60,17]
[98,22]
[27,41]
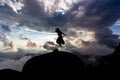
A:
[60,63]
[10,74]
[55,63]
[108,65]
[113,59]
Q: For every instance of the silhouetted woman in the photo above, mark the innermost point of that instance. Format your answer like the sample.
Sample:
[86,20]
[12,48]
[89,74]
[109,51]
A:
[60,40]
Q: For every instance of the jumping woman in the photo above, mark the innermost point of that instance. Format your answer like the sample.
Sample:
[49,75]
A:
[60,40]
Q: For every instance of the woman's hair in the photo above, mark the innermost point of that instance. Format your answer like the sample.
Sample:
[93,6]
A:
[57,30]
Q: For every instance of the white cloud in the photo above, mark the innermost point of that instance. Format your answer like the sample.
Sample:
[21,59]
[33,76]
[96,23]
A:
[49,6]
[5,39]
[11,47]
[84,42]
[16,6]
[58,5]
[64,5]
[2,2]
[117,23]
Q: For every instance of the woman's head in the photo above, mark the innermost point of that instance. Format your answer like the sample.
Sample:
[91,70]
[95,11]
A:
[57,30]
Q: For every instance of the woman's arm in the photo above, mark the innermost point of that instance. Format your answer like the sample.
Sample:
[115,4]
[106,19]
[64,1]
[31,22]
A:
[63,33]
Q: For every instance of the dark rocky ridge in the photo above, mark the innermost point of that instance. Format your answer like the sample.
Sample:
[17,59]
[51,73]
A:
[62,64]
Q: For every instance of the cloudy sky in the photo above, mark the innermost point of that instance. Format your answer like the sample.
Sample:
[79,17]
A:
[27,28]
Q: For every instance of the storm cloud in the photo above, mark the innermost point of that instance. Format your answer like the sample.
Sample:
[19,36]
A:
[95,16]
[50,45]
[35,10]
[6,28]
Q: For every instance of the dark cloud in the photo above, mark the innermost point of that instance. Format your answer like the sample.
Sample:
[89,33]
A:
[6,10]
[31,44]
[94,15]
[34,9]
[60,19]
[108,39]
[10,46]
[107,13]
[96,49]
[98,16]
[15,0]
[50,45]
[6,28]
[57,20]
[7,15]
